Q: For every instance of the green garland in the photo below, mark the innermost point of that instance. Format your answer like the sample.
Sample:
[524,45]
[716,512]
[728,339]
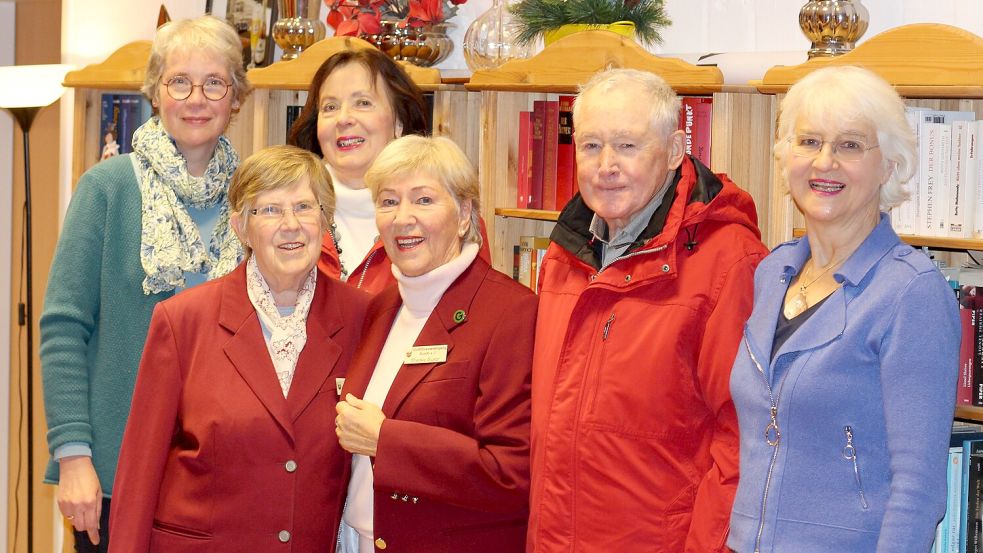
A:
[536,17]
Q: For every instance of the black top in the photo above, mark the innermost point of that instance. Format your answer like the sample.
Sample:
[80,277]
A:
[786,327]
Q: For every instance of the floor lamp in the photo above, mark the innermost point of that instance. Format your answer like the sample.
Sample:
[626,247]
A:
[24,91]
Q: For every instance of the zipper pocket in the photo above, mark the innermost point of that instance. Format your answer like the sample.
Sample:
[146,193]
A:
[850,454]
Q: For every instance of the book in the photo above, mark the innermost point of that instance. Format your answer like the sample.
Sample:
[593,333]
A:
[962,179]
[566,154]
[551,132]
[524,161]
[696,121]
[526,248]
[131,117]
[972,487]
[293,112]
[515,262]
[109,125]
[930,178]
[538,153]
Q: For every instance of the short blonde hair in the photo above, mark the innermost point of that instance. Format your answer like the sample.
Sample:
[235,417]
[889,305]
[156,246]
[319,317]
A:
[664,104]
[853,94]
[279,167]
[436,157]
[205,34]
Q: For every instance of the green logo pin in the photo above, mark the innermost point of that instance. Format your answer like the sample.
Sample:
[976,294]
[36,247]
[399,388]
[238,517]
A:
[459,316]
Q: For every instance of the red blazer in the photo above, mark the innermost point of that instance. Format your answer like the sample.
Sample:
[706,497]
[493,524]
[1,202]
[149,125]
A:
[374,273]
[214,458]
[452,464]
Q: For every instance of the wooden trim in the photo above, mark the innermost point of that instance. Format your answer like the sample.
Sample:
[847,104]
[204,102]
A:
[921,60]
[124,69]
[536,214]
[569,62]
[934,242]
[297,74]
[969,413]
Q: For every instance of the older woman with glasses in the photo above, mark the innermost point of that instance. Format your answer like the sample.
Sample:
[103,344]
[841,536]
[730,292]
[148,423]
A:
[845,381]
[140,227]
[226,447]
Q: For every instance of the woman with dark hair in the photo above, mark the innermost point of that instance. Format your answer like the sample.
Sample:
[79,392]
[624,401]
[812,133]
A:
[358,102]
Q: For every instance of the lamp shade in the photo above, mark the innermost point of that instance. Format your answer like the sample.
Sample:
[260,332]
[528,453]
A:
[24,86]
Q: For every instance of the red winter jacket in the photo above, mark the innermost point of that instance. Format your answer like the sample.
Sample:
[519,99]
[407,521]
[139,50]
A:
[634,435]
[374,274]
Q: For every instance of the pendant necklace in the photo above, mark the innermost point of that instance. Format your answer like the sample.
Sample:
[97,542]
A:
[799,303]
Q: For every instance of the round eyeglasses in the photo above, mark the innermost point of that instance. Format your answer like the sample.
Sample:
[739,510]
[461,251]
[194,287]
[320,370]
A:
[304,211]
[180,88]
[845,148]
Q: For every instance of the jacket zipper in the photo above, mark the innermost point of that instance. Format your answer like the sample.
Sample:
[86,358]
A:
[632,254]
[850,454]
[607,328]
[773,437]
[365,267]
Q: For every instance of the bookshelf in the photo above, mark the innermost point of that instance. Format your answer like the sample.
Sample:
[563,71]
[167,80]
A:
[742,125]
[931,65]
[122,71]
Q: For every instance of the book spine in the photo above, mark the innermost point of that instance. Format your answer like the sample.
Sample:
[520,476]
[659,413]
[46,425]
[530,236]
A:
[523,163]
[929,174]
[953,515]
[129,120]
[551,134]
[538,153]
[958,225]
[686,123]
[526,248]
[967,319]
[566,158]
[702,126]
[515,262]
[977,358]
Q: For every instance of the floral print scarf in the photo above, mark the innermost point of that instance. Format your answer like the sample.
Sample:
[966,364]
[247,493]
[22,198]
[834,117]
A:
[170,242]
[288,333]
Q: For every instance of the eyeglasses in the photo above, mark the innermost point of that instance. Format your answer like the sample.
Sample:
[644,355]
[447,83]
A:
[845,148]
[304,211]
[180,88]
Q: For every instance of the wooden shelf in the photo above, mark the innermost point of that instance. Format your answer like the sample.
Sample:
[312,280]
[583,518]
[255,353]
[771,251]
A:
[535,214]
[923,60]
[296,74]
[573,60]
[124,69]
[970,413]
[934,242]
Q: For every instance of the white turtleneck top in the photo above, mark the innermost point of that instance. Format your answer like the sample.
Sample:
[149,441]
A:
[354,218]
[420,296]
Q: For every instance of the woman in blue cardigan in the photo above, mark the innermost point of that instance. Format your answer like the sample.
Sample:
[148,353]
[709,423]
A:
[845,381]
[139,228]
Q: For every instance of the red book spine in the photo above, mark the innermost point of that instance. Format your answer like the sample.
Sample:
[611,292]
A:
[551,133]
[686,124]
[524,161]
[538,128]
[964,391]
[702,126]
[566,157]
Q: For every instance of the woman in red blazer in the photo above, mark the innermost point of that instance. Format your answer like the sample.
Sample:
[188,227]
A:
[436,408]
[226,448]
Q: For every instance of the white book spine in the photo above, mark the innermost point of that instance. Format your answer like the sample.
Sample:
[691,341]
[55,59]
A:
[928,217]
[957,181]
[941,226]
[970,179]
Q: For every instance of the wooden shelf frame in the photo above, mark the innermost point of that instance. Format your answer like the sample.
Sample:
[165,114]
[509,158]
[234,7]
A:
[932,242]
[969,413]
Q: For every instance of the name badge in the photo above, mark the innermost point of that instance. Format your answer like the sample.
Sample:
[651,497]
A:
[418,355]
[339,383]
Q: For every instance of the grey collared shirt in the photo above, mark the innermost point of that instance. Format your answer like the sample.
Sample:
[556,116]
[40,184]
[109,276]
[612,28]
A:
[613,248]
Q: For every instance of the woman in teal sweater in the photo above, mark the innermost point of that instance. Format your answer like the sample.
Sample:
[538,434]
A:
[139,228]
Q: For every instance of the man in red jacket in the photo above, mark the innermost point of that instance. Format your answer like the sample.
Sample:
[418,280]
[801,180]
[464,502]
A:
[644,293]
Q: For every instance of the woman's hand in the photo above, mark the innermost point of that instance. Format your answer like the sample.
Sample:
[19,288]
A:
[358,424]
[80,495]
